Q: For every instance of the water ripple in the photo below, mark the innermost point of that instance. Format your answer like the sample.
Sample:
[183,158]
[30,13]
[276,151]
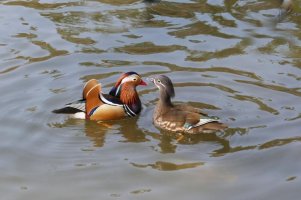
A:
[237,60]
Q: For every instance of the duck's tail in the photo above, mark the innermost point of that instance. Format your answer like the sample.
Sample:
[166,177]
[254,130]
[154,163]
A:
[72,108]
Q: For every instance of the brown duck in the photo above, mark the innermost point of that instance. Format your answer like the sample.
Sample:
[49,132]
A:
[180,118]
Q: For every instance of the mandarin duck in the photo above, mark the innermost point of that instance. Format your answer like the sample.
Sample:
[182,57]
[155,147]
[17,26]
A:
[180,118]
[122,101]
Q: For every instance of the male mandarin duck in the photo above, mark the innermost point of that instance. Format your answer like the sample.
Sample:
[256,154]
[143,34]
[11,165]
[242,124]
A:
[122,101]
[180,118]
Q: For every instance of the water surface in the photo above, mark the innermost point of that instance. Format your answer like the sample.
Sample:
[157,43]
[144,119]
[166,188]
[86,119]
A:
[234,59]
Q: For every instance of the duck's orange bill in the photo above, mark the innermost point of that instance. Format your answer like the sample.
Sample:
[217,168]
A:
[142,83]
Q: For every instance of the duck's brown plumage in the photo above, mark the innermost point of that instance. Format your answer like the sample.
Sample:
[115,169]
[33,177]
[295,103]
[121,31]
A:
[122,101]
[128,94]
[104,111]
[180,118]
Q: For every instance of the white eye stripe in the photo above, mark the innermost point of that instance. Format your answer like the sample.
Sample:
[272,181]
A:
[126,79]
[129,78]
[160,84]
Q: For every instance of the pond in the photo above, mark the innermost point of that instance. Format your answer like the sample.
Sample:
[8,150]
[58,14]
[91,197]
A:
[238,60]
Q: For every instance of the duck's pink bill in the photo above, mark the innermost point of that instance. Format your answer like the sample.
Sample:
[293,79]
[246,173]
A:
[142,83]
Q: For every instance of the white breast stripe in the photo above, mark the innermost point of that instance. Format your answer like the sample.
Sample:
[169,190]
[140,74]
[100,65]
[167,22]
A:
[109,102]
[128,111]
[131,110]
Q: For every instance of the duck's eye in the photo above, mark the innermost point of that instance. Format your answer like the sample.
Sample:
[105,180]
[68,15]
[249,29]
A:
[134,79]
[158,81]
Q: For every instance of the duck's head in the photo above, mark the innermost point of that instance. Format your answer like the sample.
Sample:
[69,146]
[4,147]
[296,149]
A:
[164,84]
[131,78]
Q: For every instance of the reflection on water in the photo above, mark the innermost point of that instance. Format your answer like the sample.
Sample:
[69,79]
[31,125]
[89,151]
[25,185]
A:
[167,166]
[238,60]
[167,142]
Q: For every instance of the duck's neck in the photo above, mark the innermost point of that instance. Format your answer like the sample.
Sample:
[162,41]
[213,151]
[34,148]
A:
[164,101]
[164,105]
[129,95]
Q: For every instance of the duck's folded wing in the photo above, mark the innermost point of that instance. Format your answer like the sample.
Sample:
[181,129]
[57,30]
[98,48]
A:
[88,86]
[188,108]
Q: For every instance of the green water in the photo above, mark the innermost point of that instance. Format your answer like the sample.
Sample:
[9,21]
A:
[234,59]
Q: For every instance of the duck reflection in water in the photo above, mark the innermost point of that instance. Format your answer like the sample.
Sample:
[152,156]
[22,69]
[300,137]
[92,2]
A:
[130,132]
[169,142]
[97,131]
[169,166]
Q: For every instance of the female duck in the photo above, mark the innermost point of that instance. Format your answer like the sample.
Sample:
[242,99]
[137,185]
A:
[122,101]
[180,118]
